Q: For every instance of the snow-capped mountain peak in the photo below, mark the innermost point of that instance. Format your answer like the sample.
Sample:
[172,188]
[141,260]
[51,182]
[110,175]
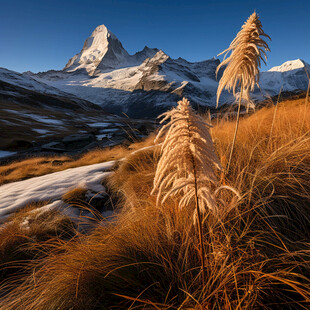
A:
[289,65]
[147,52]
[291,76]
[98,41]
[102,50]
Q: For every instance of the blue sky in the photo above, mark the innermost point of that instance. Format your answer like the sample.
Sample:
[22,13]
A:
[42,35]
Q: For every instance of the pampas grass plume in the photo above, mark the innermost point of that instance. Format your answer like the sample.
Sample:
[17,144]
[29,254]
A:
[247,51]
[187,159]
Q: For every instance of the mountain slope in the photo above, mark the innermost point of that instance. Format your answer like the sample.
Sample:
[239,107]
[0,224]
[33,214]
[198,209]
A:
[291,76]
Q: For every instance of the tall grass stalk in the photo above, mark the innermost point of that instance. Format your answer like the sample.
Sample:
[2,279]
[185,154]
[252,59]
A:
[187,162]
[274,116]
[307,94]
[306,100]
[236,131]
[243,64]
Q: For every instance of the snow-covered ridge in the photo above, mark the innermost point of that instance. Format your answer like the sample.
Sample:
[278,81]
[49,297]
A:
[28,82]
[291,76]
[146,89]
[289,65]
[103,51]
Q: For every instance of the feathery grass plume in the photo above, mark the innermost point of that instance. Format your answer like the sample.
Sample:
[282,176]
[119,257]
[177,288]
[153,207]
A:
[245,59]
[187,158]
[186,166]
[247,51]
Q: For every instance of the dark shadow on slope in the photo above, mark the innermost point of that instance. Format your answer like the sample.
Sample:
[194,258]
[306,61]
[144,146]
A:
[16,94]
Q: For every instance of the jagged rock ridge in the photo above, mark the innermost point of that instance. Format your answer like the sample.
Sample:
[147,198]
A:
[103,51]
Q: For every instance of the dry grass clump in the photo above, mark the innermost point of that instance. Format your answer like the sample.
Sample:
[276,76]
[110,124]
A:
[186,166]
[272,172]
[24,231]
[149,260]
[31,167]
[257,254]
[75,195]
[187,162]
[133,179]
[37,166]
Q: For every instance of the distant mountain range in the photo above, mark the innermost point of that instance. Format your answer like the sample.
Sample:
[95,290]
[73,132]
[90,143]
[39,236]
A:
[144,84]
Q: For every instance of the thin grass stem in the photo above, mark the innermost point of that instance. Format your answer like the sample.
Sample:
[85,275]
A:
[236,131]
[274,116]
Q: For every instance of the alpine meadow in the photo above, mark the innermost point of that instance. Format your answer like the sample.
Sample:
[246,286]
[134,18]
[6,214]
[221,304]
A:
[200,208]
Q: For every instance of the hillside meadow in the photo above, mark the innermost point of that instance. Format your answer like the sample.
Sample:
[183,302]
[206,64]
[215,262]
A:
[257,250]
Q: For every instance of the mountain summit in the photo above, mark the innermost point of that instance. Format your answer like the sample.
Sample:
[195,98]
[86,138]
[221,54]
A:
[103,51]
[291,65]
[291,76]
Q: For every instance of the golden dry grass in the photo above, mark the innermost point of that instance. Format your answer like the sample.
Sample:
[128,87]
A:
[134,177]
[23,236]
[74,195]
[37,166]
[257,251]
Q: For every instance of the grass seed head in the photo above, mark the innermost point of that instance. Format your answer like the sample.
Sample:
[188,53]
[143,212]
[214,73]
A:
[248,49]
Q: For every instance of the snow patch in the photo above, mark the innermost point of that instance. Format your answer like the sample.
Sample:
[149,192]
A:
[99,125]
[41,131]
[16,195]
[4,154]
[45,120]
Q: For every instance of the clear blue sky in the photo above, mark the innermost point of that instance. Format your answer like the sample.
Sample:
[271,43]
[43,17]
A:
[41,35]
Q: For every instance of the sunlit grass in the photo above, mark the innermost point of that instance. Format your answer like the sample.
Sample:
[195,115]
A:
[38,166]
[257,247]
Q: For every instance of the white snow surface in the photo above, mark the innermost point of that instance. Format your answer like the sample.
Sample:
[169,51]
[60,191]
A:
[44,119]
[290,76]
[288,66]
[51,187]
[41,131]
[115,85]
[6,154]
